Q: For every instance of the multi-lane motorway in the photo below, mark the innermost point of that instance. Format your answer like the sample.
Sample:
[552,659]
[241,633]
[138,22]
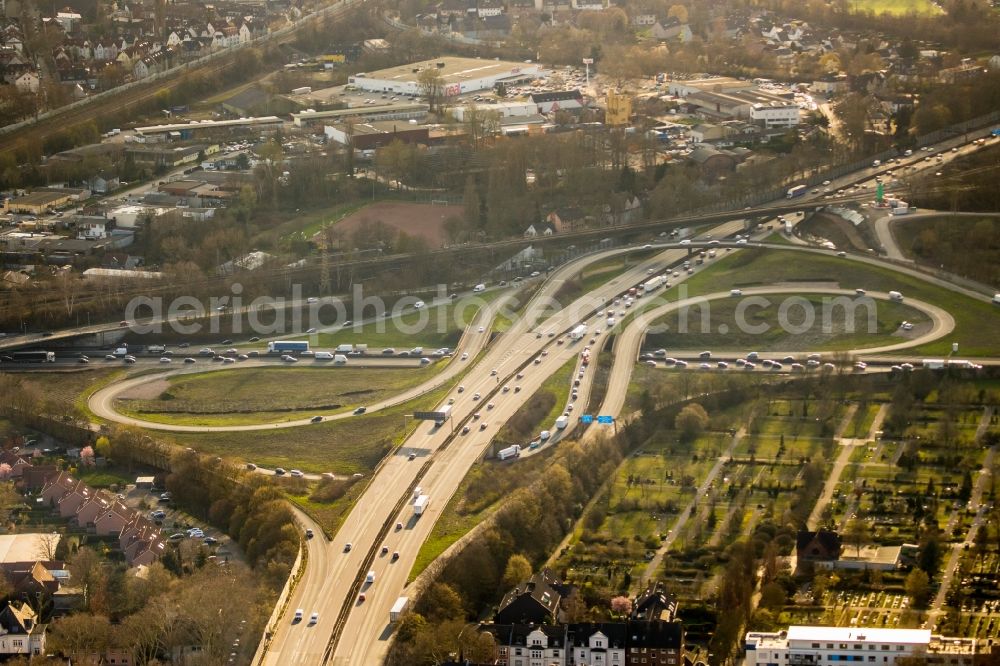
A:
[354,632]
[360,630]
[364,628]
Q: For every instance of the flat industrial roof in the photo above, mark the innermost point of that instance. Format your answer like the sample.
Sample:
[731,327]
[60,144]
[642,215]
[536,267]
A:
[208,124]
[27,547]
[361,111]
[384,127]
[857,634]
[454,70]
[40,198]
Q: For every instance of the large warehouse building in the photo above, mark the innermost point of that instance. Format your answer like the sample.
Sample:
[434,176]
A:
[460,76]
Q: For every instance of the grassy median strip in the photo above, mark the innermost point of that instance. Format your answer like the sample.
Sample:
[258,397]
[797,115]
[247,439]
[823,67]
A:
[262,395]
[977,326]
[346,446]
[480,493]
[719,325]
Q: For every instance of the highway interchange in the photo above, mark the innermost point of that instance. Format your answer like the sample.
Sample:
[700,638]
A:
[352,632]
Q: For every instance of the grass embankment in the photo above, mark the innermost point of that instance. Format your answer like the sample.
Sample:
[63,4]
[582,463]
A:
[977,324]
[487,483]
[345,446]
[965,245]
[430,328]
[896,7]
[261,395]
[720,325]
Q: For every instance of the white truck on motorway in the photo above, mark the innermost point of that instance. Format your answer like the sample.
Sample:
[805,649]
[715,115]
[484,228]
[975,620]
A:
[398,609]
[330,356]
[578,332]
[512,451]
[933,363]
[611,322]
[155,349]
[420,505]
[344,349]
[562,422]
[653,284]
[370,578]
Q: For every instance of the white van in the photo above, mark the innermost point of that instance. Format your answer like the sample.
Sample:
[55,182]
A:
[544,435]
[323,356]
[339,359]
[478,288]
[735,292]
[370,578]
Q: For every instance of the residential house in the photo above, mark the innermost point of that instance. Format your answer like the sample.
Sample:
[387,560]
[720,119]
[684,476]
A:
[56,487]
[590,5]
[963,72]
[68,19]
[92,508]
[71,502]
[489,8]
[654,604]
[535,601]
[588,644]
[21,632]
[92,228]
[145,551]
[655,644]
[529,645]
[103,183]
[22,77]
[671,30]
[601,644]
[33,582]
[569,218]
[113,520]
[34,477]
[540,229]
[17,463]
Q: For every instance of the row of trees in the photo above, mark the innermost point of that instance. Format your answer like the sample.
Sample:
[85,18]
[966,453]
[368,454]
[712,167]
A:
[154,615]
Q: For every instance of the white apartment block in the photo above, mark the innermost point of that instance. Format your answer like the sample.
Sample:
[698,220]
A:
[834,646]
[775,114]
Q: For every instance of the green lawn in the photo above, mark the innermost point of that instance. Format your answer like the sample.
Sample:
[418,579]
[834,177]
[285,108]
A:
[896,7]
[977,323]
[104,477]
[345,446]
[430,328]
[260,395]
[722,324]
[558,383]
